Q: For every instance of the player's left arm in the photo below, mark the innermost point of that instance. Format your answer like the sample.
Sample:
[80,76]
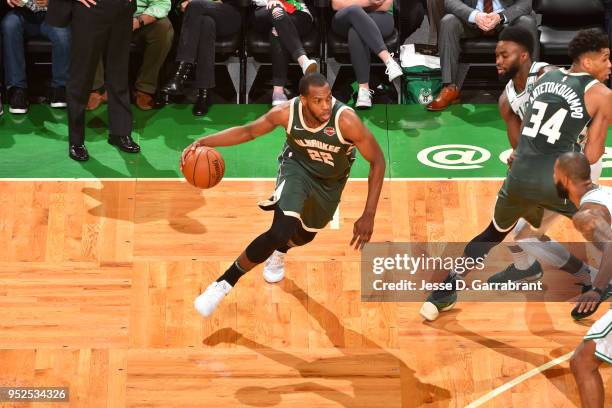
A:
[593,222]
[354,131]
[598,101]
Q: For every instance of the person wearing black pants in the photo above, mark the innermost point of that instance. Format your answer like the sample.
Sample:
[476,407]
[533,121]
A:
[285,27]
[102,28]
[203,21]
[366,30]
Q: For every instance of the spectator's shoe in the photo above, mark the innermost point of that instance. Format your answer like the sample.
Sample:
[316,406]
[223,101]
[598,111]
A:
[78,152]
[512,274]
[200,107]
[161,99]
[18,100]
[278,98]
[176,84]
[208,301]
[364,98]
[440,300]
[585,288]
[144,101]
[393,70]
[95,100]
[124,143]
[274,269]
[310,67]
[58,98]
[448,95]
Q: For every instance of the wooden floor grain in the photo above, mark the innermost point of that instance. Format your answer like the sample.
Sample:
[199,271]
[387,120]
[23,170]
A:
[97,281]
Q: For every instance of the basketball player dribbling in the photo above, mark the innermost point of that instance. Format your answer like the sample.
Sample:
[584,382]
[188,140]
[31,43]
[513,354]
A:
[315,162]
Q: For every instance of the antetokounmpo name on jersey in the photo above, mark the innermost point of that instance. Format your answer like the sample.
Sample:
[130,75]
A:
[317,144]
[564,91]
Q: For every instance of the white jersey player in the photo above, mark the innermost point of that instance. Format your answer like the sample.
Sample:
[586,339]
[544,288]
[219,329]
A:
[593,221]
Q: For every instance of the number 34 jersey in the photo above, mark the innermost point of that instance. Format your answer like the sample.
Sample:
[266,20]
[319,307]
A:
[322,152]
[553,122]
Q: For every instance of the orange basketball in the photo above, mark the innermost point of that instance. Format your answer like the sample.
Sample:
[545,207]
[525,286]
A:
[203,167]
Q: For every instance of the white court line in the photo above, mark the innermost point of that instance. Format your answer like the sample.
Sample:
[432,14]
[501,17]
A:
[335,222]
[485,398]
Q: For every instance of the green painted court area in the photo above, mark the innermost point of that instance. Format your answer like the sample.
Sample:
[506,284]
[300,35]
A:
[463,142]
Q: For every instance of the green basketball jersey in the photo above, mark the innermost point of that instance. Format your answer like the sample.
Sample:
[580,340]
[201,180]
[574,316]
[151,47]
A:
[554,119]
[322,152]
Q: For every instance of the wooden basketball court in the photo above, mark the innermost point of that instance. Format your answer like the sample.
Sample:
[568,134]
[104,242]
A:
[98,278]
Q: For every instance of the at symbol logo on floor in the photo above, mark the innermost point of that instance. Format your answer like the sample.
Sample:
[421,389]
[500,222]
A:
[454,156]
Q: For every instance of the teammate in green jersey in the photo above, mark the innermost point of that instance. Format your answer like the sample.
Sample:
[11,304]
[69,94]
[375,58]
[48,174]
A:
[561,105]
[314,167]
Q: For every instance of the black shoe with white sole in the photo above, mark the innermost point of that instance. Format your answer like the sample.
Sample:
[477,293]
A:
[57,98]
[18,100]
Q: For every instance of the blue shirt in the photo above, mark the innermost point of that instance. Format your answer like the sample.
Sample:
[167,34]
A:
[497,7]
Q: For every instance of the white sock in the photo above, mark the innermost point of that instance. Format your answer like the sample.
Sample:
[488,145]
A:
[584,274]
[522,260]
[550,252]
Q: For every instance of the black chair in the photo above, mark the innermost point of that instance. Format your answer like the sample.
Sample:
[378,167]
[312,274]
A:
[258,47]
[561,20]
[337,52]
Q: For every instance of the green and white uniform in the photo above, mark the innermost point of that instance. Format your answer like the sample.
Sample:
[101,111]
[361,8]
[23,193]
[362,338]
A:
[601,331]
[314,166]
[554,120]
[519,101]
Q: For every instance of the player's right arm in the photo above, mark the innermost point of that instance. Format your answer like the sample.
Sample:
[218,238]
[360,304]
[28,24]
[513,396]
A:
[593,222]
[277,116]
[513,122]
[598,101]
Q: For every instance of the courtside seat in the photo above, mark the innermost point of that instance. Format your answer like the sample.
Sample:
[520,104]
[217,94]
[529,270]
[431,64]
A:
[562,19]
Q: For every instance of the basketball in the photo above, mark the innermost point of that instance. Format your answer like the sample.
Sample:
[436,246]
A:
[203,167]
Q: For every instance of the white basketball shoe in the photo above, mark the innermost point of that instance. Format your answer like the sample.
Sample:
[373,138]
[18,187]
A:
[274,268]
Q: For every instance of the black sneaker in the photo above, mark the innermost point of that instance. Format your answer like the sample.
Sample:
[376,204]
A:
[511,274]
[18,100]
[585,288]
[58,97]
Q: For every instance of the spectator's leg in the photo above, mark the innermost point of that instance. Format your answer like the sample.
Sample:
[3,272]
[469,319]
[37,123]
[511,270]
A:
[359,50]
[367,29]
[205,72]
[385,24]
[529,23]
[451,32]
[116,64]
[89,35]
[189,46]
[216,20]
[60,57]
[157,38]
[286,42]
[435,12]
[98,81]
[13,27]
[262,22]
